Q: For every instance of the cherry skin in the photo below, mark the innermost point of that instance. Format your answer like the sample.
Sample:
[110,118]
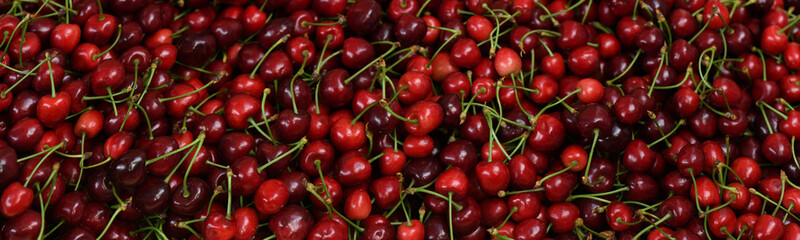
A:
[768,227]
[291,222]
[271,196]
[492,176]
[452,181]
[413,230]
[562,216]
[216,226]
[15,199]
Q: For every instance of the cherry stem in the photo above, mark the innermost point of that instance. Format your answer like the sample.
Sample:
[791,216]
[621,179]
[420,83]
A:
[562,11]
[217,191]
[655,224]
[199,144]
[450,212]
[258,66]
[435,194]
[199,139]
[316,72]
[793,155]
[658,72]
[783,191]
[704,214]
[554,104]
[635,57]
[101,18]
[768,200]
[376,157]
[48,151]
[212,82]
[355,119]
[119,33]
[394,46]
[51,231]
[307,23]
[49,183]
[694,185]
[411,50]
[180,31]
[790,25]
[513,210]
[389,110]
[3,95]
[229,175]
[299,145]
[503,193]
[318,164]
[677,85]
[405,212]
[268,134]
[120,208]
[84,156]
[665,136]
[764,104]
[454,36]
[422,8]
[539,183]
[402,196]
[766,119]
[175,169]
[615,191]
[158,231]
[291,82]
[591,153]
[52,81]
[331,210]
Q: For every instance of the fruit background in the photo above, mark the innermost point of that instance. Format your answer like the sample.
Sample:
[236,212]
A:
[399,119]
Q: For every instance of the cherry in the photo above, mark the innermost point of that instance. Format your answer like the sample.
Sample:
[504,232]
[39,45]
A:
[423,117]
[413,230]
[493,176]
[773,41]
[192,200]
[562,216]
[216,226]
[641,187]
[386,191]
[548,134]
[16,198]
[705,192]
[291,222]
[768,227]
[353,170]
[128,169]
[507,62]
[531,228]
[25,226]
[152,197]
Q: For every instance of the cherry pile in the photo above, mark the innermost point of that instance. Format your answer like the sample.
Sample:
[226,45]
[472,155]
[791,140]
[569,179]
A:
[399,119]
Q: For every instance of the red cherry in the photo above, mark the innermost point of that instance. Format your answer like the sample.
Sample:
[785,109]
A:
[15,200]
[424,116]
[357,205]
[346,136]
[768,227]
[507,62]
[590,90]
[492,176]
[413,230]
[452,181]
[271,196]
[562,216]
[773,41]
[217,227]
